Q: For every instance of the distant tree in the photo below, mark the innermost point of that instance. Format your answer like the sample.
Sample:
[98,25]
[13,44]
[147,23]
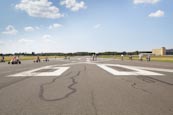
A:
[124,53]
[33,53]
[137,53]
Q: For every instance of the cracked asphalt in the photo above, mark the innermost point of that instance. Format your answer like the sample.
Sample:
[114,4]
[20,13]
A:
[86,89]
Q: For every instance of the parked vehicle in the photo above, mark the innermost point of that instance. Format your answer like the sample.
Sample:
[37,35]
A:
[14,60]
[2,59]
[46,59]
[37,60]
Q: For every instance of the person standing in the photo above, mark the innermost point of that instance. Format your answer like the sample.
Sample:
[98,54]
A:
[140,57]
[3,59]
[122,57]
[130,57]
[148,58]
[38,59]
[93,56]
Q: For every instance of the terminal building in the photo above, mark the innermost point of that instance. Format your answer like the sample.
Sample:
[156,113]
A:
[162,51]
[169,52]
[159,52]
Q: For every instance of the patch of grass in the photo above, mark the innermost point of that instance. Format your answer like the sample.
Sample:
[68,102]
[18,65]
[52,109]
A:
[106,56]
[8,58]
[135,57]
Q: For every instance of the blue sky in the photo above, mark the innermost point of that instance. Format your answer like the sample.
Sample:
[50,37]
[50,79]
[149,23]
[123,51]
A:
[85,25]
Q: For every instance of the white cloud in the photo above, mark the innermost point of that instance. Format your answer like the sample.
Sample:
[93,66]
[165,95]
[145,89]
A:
[24,40]
[145,1]
[29,29]
[10,30]
[1,43]
[39,8]
[157,14]
[73,4]
[47,38]
[37,28]
[97,26]
[55,26]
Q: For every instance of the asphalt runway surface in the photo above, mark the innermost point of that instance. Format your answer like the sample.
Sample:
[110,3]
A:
[80,86]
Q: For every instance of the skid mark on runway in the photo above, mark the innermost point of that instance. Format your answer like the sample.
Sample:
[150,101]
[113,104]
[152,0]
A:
[147,78]
[70,87]
[134,85]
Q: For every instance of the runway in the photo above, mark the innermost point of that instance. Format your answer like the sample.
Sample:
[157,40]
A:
[80,86]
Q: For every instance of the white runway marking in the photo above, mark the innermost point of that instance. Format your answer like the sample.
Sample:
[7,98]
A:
[57,71]
[88,60]
[136,71]
[53,70]
[156,69]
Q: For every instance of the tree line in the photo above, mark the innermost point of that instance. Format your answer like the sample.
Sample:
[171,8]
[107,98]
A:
[77,53]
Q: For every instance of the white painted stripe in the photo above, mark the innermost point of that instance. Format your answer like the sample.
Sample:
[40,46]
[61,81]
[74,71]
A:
[146,68]
[58,71]
[156,69]
[77,63]
[88,60]
[136,70]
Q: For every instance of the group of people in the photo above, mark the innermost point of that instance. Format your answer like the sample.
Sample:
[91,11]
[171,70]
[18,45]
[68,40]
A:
[67,57]
[94,57]
[16,60]
[148,57]
[130,57]
[38,60]
[13,59]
